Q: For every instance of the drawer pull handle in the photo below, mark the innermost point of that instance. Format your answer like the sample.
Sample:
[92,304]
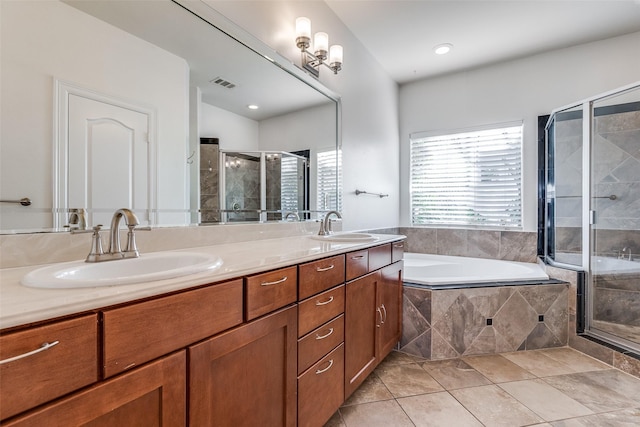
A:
[325,302]
[357,257]
[284,279]
[43,347]
[319,337]
[322,371]
[381,320]
[385,313]
[321,269]
[399,246]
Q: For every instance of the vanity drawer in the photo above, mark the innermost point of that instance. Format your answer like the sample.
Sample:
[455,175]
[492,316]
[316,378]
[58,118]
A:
[320,308]
[270,291]
[357,264]
[321,389]
[137,333]
[320,275]
[319,342]
[70,364]
[397,251]
[379,257]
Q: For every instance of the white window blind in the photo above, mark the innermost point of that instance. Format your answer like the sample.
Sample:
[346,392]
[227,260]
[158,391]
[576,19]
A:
[329,177]
[471,178]
[290,182]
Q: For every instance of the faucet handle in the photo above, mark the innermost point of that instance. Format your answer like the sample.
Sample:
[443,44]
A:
[131,250]
[96,243]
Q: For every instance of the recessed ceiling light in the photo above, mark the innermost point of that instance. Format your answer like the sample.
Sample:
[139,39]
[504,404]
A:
[443,48]
[252,107]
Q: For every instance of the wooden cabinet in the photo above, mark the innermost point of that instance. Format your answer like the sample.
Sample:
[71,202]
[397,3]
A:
[320,389]
[152,395]
[69,362]
[246,376]
[373,322]
[390,305]
[280,348]
[137,333]
[361,323]
[270,291]
[317,276]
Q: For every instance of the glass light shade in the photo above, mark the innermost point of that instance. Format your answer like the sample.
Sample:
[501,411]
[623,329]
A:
[321,42]
[303,27]
[335,54]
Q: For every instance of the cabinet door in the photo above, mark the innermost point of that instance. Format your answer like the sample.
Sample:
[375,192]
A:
[246,376]
[361,323]
[152,395]
[390,303]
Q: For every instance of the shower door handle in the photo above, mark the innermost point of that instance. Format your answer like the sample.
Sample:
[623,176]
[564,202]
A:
[592,217]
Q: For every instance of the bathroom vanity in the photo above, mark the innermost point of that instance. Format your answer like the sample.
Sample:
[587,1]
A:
[266,340]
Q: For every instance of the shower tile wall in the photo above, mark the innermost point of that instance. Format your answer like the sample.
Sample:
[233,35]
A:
[616,171]
[243,189]
[449,323]
[568,184]
[209,197]
[274,200]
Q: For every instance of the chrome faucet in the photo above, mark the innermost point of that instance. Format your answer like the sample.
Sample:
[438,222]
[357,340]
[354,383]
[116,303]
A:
[295,216]
[130,251]
[622,255]
[325,225]
[78,219]
[115,251]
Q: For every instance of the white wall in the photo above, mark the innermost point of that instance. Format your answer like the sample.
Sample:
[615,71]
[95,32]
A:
[515,90]
[369,103]
[235,132]
[43,40]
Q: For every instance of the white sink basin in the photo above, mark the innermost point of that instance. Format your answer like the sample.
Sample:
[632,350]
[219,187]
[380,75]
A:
[347,237]
[146,268]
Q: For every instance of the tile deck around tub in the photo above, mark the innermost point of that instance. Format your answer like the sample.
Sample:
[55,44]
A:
[550,387]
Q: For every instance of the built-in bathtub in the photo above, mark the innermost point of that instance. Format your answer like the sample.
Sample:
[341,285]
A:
[459,306]
[455,271]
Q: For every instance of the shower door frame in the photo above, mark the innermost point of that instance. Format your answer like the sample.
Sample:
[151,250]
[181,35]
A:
[588,219]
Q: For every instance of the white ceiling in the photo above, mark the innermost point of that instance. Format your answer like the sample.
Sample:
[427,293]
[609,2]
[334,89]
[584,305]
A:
[401,34]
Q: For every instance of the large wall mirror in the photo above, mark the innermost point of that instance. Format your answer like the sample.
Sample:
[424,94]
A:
[146,104]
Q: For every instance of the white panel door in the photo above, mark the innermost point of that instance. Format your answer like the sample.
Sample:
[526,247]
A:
[108,159]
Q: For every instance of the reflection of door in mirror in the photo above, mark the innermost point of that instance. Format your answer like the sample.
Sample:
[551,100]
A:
[109,158]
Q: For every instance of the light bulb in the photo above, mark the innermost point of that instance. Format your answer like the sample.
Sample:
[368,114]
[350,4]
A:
[303,27]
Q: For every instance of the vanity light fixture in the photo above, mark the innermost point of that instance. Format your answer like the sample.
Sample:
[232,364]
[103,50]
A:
[443,48]
[311,61]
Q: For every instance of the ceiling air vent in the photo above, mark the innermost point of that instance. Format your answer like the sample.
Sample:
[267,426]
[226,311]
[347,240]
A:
[222,82]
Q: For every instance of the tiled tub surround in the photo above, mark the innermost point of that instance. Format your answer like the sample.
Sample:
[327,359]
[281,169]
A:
[449,323]
[492,244]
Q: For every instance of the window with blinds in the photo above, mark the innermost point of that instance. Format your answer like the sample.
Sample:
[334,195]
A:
[470,178]
[291,183]
[329,179]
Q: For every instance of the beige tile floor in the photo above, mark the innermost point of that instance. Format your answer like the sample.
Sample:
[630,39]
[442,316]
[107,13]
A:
[553,387]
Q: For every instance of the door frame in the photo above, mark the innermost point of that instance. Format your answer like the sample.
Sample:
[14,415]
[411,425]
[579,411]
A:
[60,191]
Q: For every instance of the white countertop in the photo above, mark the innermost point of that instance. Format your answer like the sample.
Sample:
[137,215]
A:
[21,305]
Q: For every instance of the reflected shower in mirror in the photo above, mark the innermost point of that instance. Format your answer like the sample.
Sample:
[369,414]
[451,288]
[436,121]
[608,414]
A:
[163,62]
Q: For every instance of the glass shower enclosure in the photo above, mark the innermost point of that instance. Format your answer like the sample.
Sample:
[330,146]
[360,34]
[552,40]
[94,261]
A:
[592,214]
